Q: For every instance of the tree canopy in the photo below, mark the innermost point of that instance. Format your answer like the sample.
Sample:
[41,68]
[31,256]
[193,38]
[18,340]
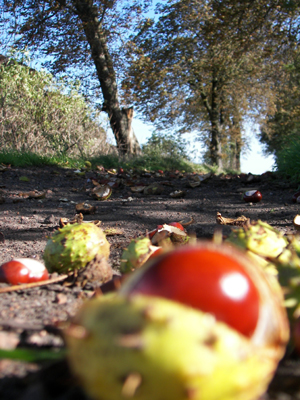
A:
[283,126]
[200,65]
[205,64]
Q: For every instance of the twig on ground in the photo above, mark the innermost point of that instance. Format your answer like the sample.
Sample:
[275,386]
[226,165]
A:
[33,284]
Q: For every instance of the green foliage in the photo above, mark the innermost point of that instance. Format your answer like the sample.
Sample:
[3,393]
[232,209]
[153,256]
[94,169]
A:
[82,39]
[283,126]
[288,160]
[18,159]
[280,134]
[204,66]
[24,159]
[157,162]
[44,116]
[148,162]
[165,146]
[166,152]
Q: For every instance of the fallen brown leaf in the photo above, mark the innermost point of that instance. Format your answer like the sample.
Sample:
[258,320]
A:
[239,221]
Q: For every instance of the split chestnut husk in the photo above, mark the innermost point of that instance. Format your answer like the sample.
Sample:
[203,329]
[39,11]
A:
[162,336]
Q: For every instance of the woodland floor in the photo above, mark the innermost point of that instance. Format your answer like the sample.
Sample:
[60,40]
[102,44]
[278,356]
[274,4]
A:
[30,318]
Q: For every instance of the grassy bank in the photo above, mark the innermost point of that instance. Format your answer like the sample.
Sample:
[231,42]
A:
[151,163]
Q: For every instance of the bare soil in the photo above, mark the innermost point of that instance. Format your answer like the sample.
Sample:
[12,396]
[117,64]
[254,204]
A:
[32,318]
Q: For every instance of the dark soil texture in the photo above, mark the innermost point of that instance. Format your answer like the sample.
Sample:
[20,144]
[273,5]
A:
[33,318]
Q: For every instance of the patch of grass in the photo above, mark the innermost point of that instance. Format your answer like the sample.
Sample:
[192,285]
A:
[18,159]
[107,161]
[145,162]
[150,163]
[231,171]
[29,159]
[154,163]
[67,162]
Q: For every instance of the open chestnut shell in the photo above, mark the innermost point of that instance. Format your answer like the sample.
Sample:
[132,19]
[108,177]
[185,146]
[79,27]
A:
[219,280]
[198,323]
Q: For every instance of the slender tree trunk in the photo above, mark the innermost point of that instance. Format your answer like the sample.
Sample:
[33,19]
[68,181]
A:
[237,139]
[120,118]
[238,150]
[213,110]
[215,140]
[215,146]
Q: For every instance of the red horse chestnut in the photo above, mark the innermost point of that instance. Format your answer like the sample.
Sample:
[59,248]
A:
[215,279]
[295,196]
[175,224]
[252,196]
[23,270]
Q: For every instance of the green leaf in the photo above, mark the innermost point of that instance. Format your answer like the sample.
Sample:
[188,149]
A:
[30,355]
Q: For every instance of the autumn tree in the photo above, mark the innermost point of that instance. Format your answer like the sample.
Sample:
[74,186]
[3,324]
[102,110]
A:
[282,127]
[198,66]
[81,37]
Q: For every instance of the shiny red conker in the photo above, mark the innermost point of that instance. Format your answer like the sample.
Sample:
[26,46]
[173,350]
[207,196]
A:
[23,270]
[252,196]
[205,278]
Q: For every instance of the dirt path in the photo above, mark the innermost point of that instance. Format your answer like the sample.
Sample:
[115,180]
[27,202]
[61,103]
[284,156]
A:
[29,318]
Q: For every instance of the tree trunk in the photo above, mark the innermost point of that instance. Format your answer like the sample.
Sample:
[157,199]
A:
[237,140]
[120,118]
[215,140]
[214,148]
[238,150]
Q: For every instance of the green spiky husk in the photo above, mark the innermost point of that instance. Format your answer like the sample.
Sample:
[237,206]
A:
[277,255]
[260,238]
[288,269]
[74,246]
[171,352]
[135,255]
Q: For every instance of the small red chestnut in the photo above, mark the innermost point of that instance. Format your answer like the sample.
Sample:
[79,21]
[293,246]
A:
[295,197]
[23,270]
[214,279]
[253,196]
